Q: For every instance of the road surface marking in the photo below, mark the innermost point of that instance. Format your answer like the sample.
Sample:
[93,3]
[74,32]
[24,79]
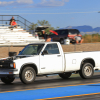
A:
[50,87]
[70,96]
[52,92]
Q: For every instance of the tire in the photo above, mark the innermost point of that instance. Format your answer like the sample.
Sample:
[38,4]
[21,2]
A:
[28,75]
[65,75]
[7,80]
[61,41]
[86,71]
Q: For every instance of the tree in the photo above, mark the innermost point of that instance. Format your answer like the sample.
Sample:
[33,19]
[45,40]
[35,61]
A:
[50,28]
[57,27]
[43,23]
[33,26]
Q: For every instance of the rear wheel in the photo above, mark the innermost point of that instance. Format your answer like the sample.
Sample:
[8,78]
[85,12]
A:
[86,71]
[62,41]
[7,80]
[65,75]
[28,75]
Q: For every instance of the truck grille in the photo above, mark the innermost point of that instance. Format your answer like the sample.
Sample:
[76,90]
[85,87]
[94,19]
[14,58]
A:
[5,64]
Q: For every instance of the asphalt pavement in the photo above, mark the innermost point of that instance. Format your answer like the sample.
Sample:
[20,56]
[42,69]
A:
[53,87]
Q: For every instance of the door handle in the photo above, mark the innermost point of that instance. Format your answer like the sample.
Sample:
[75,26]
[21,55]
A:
[59,55]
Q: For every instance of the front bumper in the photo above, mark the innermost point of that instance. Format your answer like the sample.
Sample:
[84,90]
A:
[7,72]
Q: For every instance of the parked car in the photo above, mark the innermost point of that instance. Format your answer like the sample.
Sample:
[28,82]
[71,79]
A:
[65,33]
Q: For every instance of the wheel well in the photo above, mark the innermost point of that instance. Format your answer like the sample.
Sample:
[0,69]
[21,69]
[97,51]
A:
[30,65]
[88,60]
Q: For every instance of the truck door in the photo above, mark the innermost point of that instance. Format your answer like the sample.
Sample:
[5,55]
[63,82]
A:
[51,60]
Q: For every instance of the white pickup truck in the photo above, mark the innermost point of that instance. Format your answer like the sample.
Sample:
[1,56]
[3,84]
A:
[48,58]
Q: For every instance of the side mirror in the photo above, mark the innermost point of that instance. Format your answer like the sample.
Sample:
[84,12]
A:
[44,52]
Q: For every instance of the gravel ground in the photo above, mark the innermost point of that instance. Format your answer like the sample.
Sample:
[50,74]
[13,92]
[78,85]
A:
[66,48]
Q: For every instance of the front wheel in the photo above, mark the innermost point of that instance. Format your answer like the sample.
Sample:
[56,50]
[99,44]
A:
[65,75]
[28,75]
[86,71]
[7,80]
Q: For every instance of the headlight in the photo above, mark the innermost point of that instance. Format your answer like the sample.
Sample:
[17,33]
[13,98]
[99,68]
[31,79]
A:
[13,65]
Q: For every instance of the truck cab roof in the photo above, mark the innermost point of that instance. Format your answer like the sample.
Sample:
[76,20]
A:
[44,43]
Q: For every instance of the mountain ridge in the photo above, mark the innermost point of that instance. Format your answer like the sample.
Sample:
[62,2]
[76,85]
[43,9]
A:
[84,28]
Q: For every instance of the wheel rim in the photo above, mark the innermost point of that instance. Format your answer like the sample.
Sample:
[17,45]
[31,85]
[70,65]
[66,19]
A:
[88,70]
[29,75]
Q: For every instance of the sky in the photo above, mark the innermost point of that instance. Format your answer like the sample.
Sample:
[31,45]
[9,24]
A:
[59,13]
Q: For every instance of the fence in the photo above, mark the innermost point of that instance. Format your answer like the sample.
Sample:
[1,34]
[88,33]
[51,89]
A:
[4,50]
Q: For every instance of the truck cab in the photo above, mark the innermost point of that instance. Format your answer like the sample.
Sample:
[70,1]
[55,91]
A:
[45,55]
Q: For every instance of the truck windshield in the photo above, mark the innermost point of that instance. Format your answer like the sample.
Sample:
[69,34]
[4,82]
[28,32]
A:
[32,49]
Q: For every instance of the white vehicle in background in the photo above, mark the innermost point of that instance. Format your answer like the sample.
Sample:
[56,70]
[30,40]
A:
[48,58]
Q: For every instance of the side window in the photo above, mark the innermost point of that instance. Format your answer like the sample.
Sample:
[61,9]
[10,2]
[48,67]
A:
[52,49]
[62,32]
[73,32]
